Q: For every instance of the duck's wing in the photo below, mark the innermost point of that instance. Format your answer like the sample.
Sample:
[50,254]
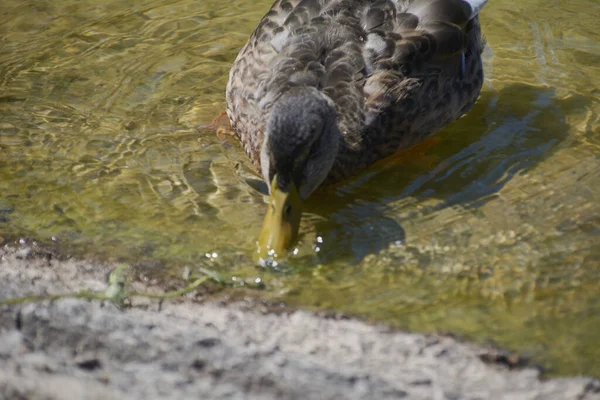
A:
[423,72]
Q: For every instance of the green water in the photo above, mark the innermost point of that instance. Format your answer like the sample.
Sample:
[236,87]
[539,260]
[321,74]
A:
[492,231]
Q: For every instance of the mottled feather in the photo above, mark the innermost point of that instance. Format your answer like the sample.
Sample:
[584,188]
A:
[397,71]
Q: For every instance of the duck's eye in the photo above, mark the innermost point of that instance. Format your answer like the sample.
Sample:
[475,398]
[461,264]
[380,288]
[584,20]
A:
[287,209]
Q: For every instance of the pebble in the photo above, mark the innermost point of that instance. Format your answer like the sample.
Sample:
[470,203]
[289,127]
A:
[23,253]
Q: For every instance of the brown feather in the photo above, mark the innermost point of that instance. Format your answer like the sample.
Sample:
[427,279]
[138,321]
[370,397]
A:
[397,71]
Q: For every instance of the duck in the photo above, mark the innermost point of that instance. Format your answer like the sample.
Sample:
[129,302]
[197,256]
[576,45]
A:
[325,88]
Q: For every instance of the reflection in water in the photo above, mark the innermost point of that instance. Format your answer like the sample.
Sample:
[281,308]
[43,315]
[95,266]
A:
[465,167]
[490,229]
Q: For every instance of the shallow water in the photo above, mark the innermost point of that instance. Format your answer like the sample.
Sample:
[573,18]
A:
[489,230]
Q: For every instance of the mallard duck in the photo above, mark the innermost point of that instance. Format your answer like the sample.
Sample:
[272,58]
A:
[324,88]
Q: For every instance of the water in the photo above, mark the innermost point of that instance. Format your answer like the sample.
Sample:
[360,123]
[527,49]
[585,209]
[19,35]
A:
[491,230]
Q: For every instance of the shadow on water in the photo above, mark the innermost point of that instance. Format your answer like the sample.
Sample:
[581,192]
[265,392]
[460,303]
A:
[507,132]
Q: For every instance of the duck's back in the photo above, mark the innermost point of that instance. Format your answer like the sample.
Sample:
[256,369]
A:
[397,71]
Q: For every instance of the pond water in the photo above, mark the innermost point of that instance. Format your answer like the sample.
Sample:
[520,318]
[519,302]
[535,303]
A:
[491,230]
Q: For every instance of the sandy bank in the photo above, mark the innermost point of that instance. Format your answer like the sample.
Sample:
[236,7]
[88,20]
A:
[79,349]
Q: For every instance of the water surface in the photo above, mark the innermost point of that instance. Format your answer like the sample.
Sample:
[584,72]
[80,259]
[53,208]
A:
[490,230]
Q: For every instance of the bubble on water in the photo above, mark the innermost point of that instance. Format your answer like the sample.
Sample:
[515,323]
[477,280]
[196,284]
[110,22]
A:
[267,262]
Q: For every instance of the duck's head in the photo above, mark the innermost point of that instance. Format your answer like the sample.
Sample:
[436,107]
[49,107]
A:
[300,145]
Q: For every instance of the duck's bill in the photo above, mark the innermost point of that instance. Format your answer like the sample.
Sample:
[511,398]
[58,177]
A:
[282,221]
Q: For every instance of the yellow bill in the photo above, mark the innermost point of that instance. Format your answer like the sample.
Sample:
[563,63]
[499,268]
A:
[282,221]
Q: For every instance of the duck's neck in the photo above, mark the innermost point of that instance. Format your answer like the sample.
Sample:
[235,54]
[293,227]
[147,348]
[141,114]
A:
[356,151]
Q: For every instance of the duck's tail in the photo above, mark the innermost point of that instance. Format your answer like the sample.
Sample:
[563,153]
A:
[476,5]
[457,12]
